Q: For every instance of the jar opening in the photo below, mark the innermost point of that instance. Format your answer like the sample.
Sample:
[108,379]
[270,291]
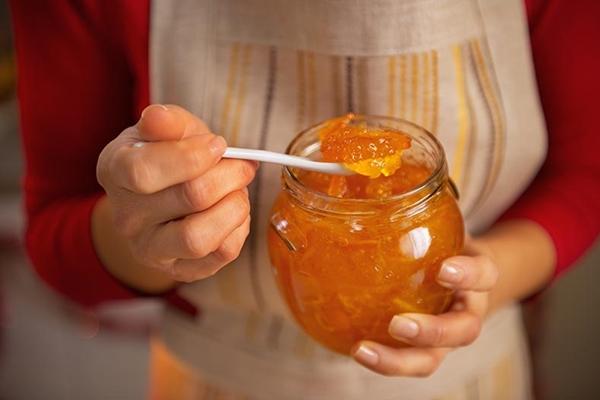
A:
[425,149]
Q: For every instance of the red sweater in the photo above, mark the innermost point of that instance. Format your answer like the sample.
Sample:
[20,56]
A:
[83,78]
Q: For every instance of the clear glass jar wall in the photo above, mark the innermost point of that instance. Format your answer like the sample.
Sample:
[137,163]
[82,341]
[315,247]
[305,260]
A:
[346,266]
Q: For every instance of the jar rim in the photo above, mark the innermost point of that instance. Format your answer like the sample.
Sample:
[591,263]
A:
[433,181]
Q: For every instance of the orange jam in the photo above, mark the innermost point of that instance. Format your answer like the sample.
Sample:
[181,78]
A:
[351,252]
[362,149]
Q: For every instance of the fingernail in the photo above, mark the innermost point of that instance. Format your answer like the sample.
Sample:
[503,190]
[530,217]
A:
[450,274]
[217,145]
[146,109]
[366,355]
[403,327]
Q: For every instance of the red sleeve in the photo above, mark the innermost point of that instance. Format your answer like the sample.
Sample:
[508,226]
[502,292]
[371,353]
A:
[82,78]
[565,196]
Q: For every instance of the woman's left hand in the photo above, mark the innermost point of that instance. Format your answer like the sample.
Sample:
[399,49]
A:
[431,337]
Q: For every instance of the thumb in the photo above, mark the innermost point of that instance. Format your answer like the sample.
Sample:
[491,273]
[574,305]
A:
[168,122]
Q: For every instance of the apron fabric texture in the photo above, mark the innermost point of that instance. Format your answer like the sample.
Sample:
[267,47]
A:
[258,72]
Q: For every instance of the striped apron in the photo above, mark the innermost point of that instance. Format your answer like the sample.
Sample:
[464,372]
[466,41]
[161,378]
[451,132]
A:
[258,71]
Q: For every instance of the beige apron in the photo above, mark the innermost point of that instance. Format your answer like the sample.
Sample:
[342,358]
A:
[258,71]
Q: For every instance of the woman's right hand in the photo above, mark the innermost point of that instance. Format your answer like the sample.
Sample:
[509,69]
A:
[179,207]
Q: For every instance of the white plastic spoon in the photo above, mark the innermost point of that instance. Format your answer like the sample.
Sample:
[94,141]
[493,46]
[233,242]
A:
[285,159]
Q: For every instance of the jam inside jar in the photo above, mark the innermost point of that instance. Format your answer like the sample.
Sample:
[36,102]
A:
[346,265]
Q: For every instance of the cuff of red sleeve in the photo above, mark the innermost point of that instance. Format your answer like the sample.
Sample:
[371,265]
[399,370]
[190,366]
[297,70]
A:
[106,286]
[59,243]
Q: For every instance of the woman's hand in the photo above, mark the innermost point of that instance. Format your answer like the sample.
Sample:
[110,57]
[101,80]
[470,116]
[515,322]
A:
[431,337]
[176,204]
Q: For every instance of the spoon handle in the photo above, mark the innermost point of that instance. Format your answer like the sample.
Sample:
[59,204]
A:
[285,159]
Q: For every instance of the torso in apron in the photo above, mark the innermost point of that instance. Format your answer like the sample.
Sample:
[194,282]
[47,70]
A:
[259,71]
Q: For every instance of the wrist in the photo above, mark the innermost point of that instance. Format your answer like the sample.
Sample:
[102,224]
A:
[524,256]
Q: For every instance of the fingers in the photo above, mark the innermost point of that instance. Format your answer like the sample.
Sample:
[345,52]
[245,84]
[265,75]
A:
[228,251]
[179,210]
[167,146]
[452,329]
[478,273]
[203,192]
[140,211]
[168,122]
[156,166]
[414,362]
[198,235]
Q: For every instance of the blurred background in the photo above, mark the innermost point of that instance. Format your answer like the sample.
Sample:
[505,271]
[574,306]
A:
[50,349]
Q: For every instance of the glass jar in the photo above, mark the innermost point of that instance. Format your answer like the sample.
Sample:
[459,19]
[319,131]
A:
[345,267]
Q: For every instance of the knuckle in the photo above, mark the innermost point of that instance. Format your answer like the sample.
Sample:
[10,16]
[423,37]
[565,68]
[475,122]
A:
[486,262]
[431,365]
[246,228]
[194,192]
[494,272]
[472,332]
[137,174]
[228,252]
[438,335]
[193,240]
[488,271]
[245,171]
[241,205]
[190,152]
[194,125]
